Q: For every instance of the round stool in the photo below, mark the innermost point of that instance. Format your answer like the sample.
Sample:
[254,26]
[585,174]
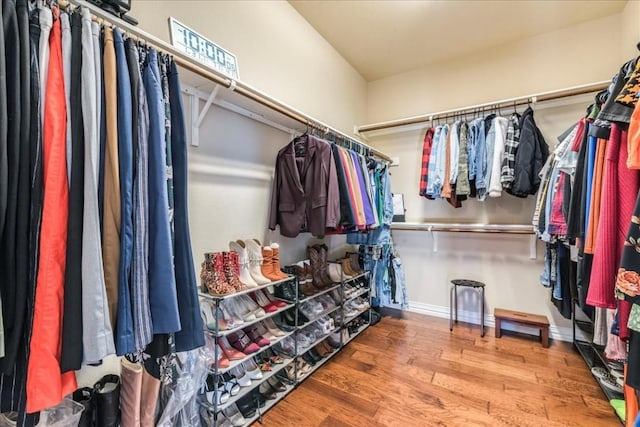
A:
[453,300]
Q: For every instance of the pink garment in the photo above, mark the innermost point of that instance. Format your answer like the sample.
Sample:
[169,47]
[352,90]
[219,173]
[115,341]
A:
[557,221]
[616,349]
[619,190]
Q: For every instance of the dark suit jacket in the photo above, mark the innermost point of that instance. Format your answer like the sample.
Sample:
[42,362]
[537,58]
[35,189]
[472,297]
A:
[308,200]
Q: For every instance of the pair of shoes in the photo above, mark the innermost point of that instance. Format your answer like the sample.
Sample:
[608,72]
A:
[212,321]
[351,264]
[248,405]
[264,299]
[242,307]
[319,266]
[242,342]
[234,416]
[286,291]
[323,349]
[229,351]
[246,372]
[216,391]
[212,275]
[302,271]
[286,347]
[260,265]
[337,273]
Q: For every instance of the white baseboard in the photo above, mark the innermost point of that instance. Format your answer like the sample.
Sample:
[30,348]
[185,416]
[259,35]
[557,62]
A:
[555,332]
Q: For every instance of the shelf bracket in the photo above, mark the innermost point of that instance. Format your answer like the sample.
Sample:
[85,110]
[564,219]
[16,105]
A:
[197,115]
[533,247]
[434,239]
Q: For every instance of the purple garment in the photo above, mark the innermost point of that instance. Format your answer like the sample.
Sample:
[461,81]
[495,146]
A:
[366,201]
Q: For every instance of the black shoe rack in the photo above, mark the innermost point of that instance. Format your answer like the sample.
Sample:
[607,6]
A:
[349,323]
[592,354]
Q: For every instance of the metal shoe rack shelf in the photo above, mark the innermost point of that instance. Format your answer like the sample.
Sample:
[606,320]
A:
[592,354]
[279,371]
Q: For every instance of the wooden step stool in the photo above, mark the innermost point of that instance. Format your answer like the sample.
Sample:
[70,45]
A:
[528,319]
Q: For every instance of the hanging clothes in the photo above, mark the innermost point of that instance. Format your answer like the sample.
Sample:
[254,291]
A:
[45,387]
[305,193]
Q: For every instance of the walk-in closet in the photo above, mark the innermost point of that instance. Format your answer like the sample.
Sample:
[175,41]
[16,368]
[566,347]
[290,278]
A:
[319,213]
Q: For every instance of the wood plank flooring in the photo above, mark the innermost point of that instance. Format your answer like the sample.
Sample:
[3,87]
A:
[414,372]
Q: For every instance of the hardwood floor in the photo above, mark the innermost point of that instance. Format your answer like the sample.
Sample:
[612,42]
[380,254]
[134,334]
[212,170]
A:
[414,372]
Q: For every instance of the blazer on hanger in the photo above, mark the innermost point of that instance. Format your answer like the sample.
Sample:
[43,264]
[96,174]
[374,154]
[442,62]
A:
[305,198]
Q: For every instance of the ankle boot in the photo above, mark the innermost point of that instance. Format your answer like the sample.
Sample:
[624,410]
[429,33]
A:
[255,262]
[212,275]
[323,251]
[149,401]
[267,264]
[107,398]
[84,396]
[346,267]
[285,291]
[131,391]
[354,260]
[232,270]
[243,262]
[277,269]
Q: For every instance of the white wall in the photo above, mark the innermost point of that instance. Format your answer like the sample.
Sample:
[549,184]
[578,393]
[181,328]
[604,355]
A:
[545,62]
[549,61]
[278,52]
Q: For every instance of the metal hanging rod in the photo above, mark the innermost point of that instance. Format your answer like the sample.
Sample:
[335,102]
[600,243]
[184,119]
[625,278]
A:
[497,105]
[237,86]
[464,228]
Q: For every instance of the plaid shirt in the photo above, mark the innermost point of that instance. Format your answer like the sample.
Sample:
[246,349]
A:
[426,154]
[510,149]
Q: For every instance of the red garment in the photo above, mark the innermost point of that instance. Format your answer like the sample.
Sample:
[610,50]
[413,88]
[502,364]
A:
[426,155]
[557,221]
[619,189]
[46,386]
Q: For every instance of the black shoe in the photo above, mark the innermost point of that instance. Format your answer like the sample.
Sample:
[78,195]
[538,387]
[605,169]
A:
[309,359]
[247,405]
[259,398]
[107,398]
[267,392]
[289,317]
[314,354]
[282,324]
[286,291]
[302,318]
[84,396]
[276,384]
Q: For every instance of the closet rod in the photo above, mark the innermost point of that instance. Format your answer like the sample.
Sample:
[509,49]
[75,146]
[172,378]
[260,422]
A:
[464,228]
[241,88]
[501,104]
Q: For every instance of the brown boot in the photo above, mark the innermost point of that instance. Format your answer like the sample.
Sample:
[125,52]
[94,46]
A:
[212,275]
[267,264]
[232,270]
[323,250]
[277,271]
[354,259]
[316,268]
[346,267]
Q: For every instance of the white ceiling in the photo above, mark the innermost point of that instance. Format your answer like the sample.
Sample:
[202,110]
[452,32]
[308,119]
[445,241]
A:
[387,37]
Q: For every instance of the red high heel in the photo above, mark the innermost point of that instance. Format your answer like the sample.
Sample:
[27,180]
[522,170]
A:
[230,352]
[273,301]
